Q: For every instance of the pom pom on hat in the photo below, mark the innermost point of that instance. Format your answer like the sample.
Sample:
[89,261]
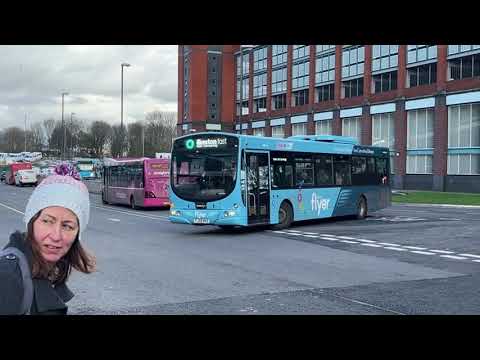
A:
[62,189]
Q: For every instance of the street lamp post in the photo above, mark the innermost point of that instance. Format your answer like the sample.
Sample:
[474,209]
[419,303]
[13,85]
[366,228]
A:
[71,137]
[25,132]
[121,111]
[64,128]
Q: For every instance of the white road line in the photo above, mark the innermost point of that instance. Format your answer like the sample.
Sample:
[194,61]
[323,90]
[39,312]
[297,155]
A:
[312,236]
[349,242]
[472,255]
[454,257]
[280,232]
[415,248]
[130,213]
[346,237]
[450,219]
[372,245]
[423,252]
[388,244]
[10,208]
[395,248]
[476,260]
[330,235]
[327,238]
[310,233]
[365,304]
[112,219]
[294,231]
[365,240]
[442,251]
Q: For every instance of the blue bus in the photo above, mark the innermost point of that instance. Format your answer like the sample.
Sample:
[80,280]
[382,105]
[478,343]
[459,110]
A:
[231,180]
[86,168]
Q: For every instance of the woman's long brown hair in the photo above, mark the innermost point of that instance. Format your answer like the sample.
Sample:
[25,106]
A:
[76,257]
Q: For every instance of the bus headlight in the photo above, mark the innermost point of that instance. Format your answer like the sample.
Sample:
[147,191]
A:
[229,213]
[175,212]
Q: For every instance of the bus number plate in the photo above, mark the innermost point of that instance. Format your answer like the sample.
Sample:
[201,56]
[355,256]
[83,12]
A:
[201,221]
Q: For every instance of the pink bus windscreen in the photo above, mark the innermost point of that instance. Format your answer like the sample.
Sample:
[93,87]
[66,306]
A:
[157,177]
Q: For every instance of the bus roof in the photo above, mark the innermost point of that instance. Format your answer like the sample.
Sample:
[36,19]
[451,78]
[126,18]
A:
[302,143]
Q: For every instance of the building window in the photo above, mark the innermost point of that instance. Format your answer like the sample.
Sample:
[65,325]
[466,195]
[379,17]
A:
[383,133]
[279,80]
[259,132]
[324,49]
[458,49]
[260,59]
[420,53]
[325,69]
[279,54]
[246,63]
[245,91]
[464,67]
[300,75]
[419,164]
[323,127]
[384,81]
[420,137]
[299,129]
[279,101]
[353,60]
[464,139]
[300,51]
[278,131]
[300,97]
[352,88]
[352,127]
[422,75]
[260,105]
[384,57]
[260,85]
[325,92]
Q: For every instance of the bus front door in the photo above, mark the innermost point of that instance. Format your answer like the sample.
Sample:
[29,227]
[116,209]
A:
[258,188]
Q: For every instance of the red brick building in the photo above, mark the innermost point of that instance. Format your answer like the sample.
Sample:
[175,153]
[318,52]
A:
[422,101]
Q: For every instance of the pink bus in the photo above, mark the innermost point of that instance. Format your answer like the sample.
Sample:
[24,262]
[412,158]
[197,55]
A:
[139,182]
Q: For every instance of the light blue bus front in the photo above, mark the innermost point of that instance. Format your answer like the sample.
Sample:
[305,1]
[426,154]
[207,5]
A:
[203,183]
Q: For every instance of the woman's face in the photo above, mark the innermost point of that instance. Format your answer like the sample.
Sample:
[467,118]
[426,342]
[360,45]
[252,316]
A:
[54,232]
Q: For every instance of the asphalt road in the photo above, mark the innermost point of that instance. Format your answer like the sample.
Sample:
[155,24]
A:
[401,260]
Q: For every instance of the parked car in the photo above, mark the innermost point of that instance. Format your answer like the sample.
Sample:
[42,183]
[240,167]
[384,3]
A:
[24,177]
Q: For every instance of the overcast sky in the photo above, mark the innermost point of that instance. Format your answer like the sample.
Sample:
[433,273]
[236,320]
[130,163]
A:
[33,78]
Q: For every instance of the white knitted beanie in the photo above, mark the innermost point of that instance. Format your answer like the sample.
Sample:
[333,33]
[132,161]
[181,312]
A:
[63,189]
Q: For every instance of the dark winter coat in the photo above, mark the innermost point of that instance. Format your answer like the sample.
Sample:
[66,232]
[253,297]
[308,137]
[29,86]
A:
[47,299]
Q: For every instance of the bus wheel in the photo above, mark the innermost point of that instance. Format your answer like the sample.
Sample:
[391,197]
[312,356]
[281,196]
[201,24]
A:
[132,203]
[285,217]
[362,208]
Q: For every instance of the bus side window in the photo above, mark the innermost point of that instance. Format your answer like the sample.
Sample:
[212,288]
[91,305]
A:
[342,168]
[323,169]
[382,175]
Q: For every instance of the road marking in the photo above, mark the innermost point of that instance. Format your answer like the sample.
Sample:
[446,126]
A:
[415,248]
[349,242]
[476,260]
[310,233]
[423,252]
[389,244]
[372,245]
[295,234]
[112,219]
[132,214]
[294,231]
[442,251]
[327,238]
[312,236]
[475,256]
[328,235]
[450,219]
[364,303]
[346,237]
[395,248]
[454,257]
[280,232]
[10,208]
[365,240]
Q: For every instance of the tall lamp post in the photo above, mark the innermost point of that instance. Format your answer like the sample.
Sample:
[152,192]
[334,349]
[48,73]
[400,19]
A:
[25,132]
[121,115]
[71,137]
[64,128]
[241,81]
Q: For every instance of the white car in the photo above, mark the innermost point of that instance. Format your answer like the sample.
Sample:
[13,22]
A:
[24,177]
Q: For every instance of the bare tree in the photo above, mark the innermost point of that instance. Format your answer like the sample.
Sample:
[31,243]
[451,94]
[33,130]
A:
[100,133]
[135,140]
[14,139]
[159,132]
[35,137]
[48,127]
[116,141]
